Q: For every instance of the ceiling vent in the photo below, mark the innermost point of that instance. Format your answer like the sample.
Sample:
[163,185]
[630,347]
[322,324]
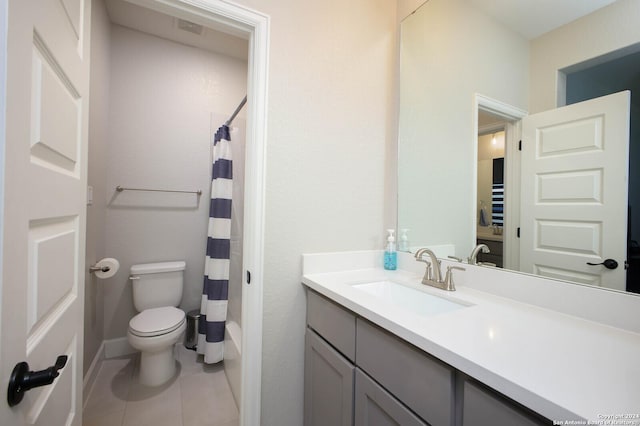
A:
[190,27]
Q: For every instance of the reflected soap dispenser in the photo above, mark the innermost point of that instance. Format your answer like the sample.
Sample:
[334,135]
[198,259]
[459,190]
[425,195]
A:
[403,241]
[390,254]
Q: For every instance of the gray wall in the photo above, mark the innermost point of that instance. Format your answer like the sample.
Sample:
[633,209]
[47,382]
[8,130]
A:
[97,173]
[163,95]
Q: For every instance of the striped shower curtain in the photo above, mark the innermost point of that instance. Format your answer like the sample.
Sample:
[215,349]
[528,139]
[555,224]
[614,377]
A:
[213,310]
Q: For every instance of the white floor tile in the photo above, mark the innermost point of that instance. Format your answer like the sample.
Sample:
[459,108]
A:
[198,395]
[112,419]
[110,389]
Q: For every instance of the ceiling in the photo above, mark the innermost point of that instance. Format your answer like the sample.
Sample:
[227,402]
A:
[532,18]
[168,27]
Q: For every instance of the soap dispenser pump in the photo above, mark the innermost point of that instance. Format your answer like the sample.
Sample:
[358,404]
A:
[390,254]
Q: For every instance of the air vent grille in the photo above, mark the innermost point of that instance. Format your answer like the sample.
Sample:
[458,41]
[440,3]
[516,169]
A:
[190,27]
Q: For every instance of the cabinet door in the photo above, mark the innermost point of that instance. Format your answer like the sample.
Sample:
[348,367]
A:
[328,384]
[376,407]
[482,407]
[421,382]
[334,323]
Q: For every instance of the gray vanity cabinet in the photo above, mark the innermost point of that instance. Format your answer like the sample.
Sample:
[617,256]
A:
[329,384]
[356,373]
[483,407]
[421,382]
[376,407]
[330,346]
[334,323]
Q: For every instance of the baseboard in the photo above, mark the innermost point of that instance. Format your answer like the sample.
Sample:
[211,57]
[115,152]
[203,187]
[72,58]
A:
[118,347]
[92,373]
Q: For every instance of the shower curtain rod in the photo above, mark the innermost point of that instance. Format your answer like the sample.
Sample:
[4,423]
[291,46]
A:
[228,122]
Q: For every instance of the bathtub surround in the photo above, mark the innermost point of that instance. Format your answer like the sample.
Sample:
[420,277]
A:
[232,358]
[215,288]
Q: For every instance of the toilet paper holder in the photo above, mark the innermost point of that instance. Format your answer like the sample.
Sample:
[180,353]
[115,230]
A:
[105,268]
[95,268]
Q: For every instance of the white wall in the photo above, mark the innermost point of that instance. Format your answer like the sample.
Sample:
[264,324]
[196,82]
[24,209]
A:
[437,132]
[97,174]
[162,95]
[331,70]
[608,29]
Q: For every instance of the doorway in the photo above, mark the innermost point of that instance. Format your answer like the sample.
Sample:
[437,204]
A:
[24,19]
[492,118]
[166,28]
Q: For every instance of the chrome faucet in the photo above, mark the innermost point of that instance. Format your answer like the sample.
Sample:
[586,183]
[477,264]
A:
[433,265]
[473,259]
[433,275]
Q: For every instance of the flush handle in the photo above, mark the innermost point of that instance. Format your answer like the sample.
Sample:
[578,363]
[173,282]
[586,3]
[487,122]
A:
[608,263]
[22,379]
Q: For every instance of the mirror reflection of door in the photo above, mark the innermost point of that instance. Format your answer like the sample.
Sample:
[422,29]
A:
[603,76]
[574,191]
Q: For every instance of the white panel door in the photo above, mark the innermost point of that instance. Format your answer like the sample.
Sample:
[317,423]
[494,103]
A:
[44,206]
[575,162]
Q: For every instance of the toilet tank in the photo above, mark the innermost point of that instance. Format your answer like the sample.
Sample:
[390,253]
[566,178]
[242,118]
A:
[157,284]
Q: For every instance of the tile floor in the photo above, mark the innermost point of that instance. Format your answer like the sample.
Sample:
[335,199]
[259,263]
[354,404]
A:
[198,395]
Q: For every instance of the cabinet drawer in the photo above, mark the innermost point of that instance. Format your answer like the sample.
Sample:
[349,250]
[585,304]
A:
[376,407]
[328,384]
[483,407]
[421,382]
[333,323]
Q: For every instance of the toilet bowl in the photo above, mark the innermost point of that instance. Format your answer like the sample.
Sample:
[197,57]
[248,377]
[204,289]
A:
[157,290]
[154,332]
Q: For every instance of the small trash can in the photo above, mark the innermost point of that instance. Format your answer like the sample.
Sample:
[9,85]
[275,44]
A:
[191,335]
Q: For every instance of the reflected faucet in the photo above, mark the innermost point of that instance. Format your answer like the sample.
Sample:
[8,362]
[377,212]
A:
[473,259]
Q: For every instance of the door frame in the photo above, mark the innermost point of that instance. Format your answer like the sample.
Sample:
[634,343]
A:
[4,4]
[512,116]
[254,26]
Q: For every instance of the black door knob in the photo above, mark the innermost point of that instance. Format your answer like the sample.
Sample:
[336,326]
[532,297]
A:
[608,263]
[22,379]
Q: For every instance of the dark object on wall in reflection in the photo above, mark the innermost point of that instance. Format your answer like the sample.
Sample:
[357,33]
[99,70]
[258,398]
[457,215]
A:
[497,193]
[633,268]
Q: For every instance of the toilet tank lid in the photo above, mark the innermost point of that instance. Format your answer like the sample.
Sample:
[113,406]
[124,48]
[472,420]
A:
[154,268]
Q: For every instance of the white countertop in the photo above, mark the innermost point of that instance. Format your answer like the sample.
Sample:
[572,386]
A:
[560,366]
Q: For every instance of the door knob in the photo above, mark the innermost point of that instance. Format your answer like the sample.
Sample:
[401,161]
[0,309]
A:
[22,379]
[608,263]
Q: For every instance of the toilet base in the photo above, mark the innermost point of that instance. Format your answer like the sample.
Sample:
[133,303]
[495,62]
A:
[156,368]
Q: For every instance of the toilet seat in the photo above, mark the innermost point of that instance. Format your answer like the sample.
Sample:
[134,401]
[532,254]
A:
[156,321]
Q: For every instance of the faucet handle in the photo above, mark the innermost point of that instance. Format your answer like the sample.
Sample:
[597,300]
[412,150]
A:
[448,278]
[457,259]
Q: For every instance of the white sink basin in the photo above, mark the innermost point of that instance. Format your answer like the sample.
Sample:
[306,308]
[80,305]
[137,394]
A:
[416,301]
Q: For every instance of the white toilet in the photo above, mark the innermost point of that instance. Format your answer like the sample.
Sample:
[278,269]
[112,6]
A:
[157,290]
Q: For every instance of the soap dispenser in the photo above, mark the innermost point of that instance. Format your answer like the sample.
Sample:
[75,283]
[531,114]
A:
[390,254]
